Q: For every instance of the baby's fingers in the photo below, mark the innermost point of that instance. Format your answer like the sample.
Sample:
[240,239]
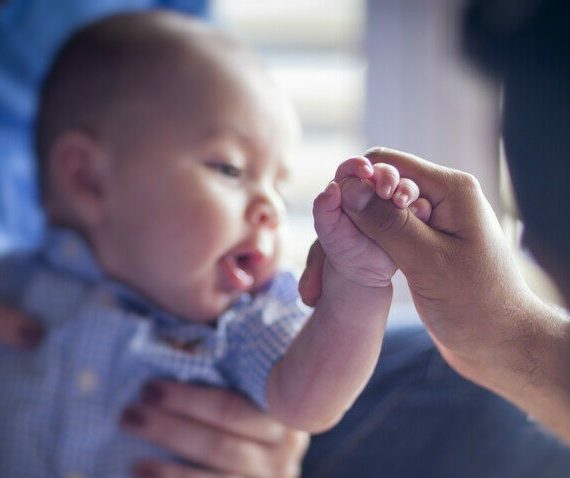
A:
[406,193]
[358,166]
[386,178]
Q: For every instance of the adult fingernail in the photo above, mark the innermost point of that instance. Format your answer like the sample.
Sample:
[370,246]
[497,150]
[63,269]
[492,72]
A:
[31,335]
[133,417]
[356,194]
[152,394]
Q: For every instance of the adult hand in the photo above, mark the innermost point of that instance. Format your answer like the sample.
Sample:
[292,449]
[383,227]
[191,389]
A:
[219,431]
[17,330]
[467,289]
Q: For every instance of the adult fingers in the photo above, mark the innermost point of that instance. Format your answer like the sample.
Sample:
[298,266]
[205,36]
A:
[432,179]
[152,469]
[398,231]
[213,448]
[455,196]
[216,407]
[18,330]
[195,441]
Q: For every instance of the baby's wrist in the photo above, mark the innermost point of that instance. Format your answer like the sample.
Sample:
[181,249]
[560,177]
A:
[336,276]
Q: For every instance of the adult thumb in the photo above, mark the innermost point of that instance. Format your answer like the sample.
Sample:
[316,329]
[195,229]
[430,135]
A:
[399,232]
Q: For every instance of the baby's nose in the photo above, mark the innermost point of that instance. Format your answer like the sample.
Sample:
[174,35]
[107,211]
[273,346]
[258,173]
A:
[262,212]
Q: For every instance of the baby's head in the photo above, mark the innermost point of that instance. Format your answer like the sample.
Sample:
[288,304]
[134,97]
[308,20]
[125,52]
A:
[163,142]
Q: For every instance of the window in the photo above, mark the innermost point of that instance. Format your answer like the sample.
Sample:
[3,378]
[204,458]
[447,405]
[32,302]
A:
[313,49]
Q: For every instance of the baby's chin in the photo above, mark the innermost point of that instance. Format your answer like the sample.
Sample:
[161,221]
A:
[210,309]
[209,313]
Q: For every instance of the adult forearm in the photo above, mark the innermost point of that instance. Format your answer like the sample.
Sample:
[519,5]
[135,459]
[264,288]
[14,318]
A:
[531,368]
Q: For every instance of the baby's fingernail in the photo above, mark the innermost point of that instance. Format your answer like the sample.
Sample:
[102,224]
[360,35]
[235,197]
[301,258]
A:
[356,194]
[368,169]
[414,210]
[402,198]
[387,191]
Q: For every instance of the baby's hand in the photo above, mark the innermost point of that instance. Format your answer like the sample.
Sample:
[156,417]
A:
[350,252]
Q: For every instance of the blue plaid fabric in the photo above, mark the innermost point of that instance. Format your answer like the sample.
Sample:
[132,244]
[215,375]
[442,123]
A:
[60,405]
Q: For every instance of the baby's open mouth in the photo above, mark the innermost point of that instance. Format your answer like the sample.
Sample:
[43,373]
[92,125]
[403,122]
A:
[242,269]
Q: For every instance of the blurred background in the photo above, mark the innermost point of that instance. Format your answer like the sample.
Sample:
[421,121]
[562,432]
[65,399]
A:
[379,72]
[364,73]
[360,73]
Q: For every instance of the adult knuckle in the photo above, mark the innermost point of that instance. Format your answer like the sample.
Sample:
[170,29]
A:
[286,469]
[298,442]
[469,182]
[290,470]
[232,451]
[286,460]
[223,445]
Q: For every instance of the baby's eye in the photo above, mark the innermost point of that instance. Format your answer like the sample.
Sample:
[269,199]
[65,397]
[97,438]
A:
[226,169]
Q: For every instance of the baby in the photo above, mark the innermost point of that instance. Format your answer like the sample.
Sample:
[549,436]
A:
[162,147]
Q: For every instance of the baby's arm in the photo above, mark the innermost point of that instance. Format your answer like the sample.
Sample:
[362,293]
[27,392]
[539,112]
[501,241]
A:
[332,358]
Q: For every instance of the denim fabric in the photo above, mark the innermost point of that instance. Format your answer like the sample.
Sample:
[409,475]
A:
[418,418]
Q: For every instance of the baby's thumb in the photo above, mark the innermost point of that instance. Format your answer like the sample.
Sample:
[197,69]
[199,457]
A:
[401,234]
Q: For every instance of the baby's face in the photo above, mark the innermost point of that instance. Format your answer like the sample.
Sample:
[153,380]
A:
[194,209]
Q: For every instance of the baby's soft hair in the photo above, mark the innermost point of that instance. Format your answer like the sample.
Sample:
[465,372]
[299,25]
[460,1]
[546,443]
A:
[108,62]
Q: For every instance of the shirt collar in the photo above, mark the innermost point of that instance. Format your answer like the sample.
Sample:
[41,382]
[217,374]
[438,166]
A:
[67,251]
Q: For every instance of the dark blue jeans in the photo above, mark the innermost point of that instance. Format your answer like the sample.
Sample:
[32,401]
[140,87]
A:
[419,419]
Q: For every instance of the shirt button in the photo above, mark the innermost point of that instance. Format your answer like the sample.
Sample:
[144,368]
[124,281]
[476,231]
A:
[87,381]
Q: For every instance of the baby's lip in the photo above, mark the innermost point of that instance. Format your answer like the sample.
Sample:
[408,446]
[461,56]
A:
[236,276]
[248,267]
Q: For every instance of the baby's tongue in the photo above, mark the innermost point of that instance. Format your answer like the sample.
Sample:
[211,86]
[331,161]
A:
[238,277]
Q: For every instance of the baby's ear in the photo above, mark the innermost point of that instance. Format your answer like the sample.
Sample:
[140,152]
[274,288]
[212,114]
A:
[78,166]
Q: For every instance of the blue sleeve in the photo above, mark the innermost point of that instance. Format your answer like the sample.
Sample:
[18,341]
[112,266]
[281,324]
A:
[31,31]
[260,334]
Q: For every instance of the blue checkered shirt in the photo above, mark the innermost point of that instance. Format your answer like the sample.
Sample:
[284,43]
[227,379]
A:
[60,405]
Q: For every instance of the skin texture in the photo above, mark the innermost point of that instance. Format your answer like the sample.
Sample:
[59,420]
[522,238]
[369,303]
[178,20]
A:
[323,369]
[174,171]
[185,207]
[176,183]
[172,191]
[464,282]
[220,430]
